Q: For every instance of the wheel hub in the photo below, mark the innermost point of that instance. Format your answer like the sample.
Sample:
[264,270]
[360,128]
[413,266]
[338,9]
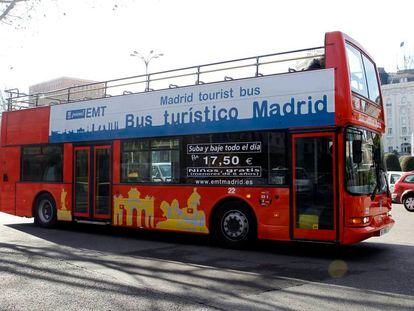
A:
[235,225]
[45,209]
[409,203]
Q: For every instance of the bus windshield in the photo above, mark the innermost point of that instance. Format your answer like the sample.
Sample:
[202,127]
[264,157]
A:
[362,175]
[363,75]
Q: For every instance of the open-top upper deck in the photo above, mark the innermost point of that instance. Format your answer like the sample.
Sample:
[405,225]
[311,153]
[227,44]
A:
[302,88]
[257,66]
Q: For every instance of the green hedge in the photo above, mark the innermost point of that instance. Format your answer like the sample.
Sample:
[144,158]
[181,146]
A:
[407,163]
[391,162]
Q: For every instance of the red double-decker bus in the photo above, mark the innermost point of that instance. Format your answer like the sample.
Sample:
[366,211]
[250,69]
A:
[284,146]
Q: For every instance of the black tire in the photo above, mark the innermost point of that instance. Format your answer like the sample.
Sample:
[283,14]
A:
[234,225]
[45,214]
[408,202]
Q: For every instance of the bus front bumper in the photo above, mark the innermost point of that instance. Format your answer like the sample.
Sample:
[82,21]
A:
[378,227]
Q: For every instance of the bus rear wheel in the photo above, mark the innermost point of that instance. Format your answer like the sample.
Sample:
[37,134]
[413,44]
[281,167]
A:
[235,226]
[45,211]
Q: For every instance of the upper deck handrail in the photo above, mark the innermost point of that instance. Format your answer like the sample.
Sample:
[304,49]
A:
[96,90]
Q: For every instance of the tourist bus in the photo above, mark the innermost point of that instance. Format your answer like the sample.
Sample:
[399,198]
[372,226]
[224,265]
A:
[283,146]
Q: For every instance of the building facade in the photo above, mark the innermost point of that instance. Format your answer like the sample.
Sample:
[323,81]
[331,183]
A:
[399,117]
[58,91]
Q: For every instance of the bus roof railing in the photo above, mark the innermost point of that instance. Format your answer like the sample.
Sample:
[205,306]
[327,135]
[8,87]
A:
[248,67]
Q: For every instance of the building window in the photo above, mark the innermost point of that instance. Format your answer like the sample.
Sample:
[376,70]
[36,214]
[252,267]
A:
[389,112]
[404,100]
[388,102]
[390,149]
[389,131]
[404,130]
[406,148]
[42,163]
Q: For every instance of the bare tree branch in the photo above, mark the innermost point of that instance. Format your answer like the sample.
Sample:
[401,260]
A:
[7,6]
[10,7]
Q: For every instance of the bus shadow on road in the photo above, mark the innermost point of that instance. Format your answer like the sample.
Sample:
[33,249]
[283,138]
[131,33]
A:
[157,244]
[64,233]
[301,249]
[264,267]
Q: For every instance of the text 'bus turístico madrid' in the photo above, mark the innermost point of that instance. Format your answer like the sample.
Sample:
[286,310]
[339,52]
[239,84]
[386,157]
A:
[283,146]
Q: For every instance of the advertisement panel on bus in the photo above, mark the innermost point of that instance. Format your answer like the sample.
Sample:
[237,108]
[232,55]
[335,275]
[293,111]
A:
[271,102]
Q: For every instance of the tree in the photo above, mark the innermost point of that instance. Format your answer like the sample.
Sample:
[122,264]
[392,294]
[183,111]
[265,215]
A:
[18,12]
[391,162]
[407,163]
[7,7]
[3,103]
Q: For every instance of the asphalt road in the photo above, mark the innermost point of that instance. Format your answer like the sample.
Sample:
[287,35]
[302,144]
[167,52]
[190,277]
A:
[79,267]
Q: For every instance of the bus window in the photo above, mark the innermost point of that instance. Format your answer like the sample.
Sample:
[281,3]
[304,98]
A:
[135,161]
[278,171]
[150,161]
[361,175]
[373,88]
[363,75]
[165,160]
[356,71]
[42,163]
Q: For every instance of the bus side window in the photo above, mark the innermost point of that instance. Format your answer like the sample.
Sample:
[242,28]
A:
[135,161]
[278,171]
[42,163]
[154,160]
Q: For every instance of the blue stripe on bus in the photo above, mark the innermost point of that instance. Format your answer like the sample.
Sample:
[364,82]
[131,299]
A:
[325,119]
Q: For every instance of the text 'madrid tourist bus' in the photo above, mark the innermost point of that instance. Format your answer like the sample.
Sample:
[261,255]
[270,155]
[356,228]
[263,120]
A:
[284,146]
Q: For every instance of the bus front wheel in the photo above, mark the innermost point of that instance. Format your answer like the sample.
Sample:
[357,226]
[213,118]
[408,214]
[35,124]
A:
[235,225]
[45,211]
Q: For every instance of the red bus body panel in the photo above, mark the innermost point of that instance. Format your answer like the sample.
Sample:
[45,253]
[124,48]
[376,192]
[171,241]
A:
[62,193]
[164,208]
[29,126]
[10,174]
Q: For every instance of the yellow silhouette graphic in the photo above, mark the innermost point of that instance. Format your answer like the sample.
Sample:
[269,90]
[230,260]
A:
[128,205]
[63,213]
[184,219]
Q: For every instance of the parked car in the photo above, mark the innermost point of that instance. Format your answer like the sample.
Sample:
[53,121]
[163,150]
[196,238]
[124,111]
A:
[404,191]
[392,178]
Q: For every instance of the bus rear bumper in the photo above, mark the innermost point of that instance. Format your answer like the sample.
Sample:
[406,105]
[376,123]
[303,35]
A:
[354,235]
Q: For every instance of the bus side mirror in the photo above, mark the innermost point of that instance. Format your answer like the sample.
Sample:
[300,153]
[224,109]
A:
[357,151]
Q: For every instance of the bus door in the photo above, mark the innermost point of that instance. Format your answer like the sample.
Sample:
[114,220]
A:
[314,186]
[92,182]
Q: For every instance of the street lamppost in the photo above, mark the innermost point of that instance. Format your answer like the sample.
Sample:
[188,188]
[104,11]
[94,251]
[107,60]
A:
[146,59]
